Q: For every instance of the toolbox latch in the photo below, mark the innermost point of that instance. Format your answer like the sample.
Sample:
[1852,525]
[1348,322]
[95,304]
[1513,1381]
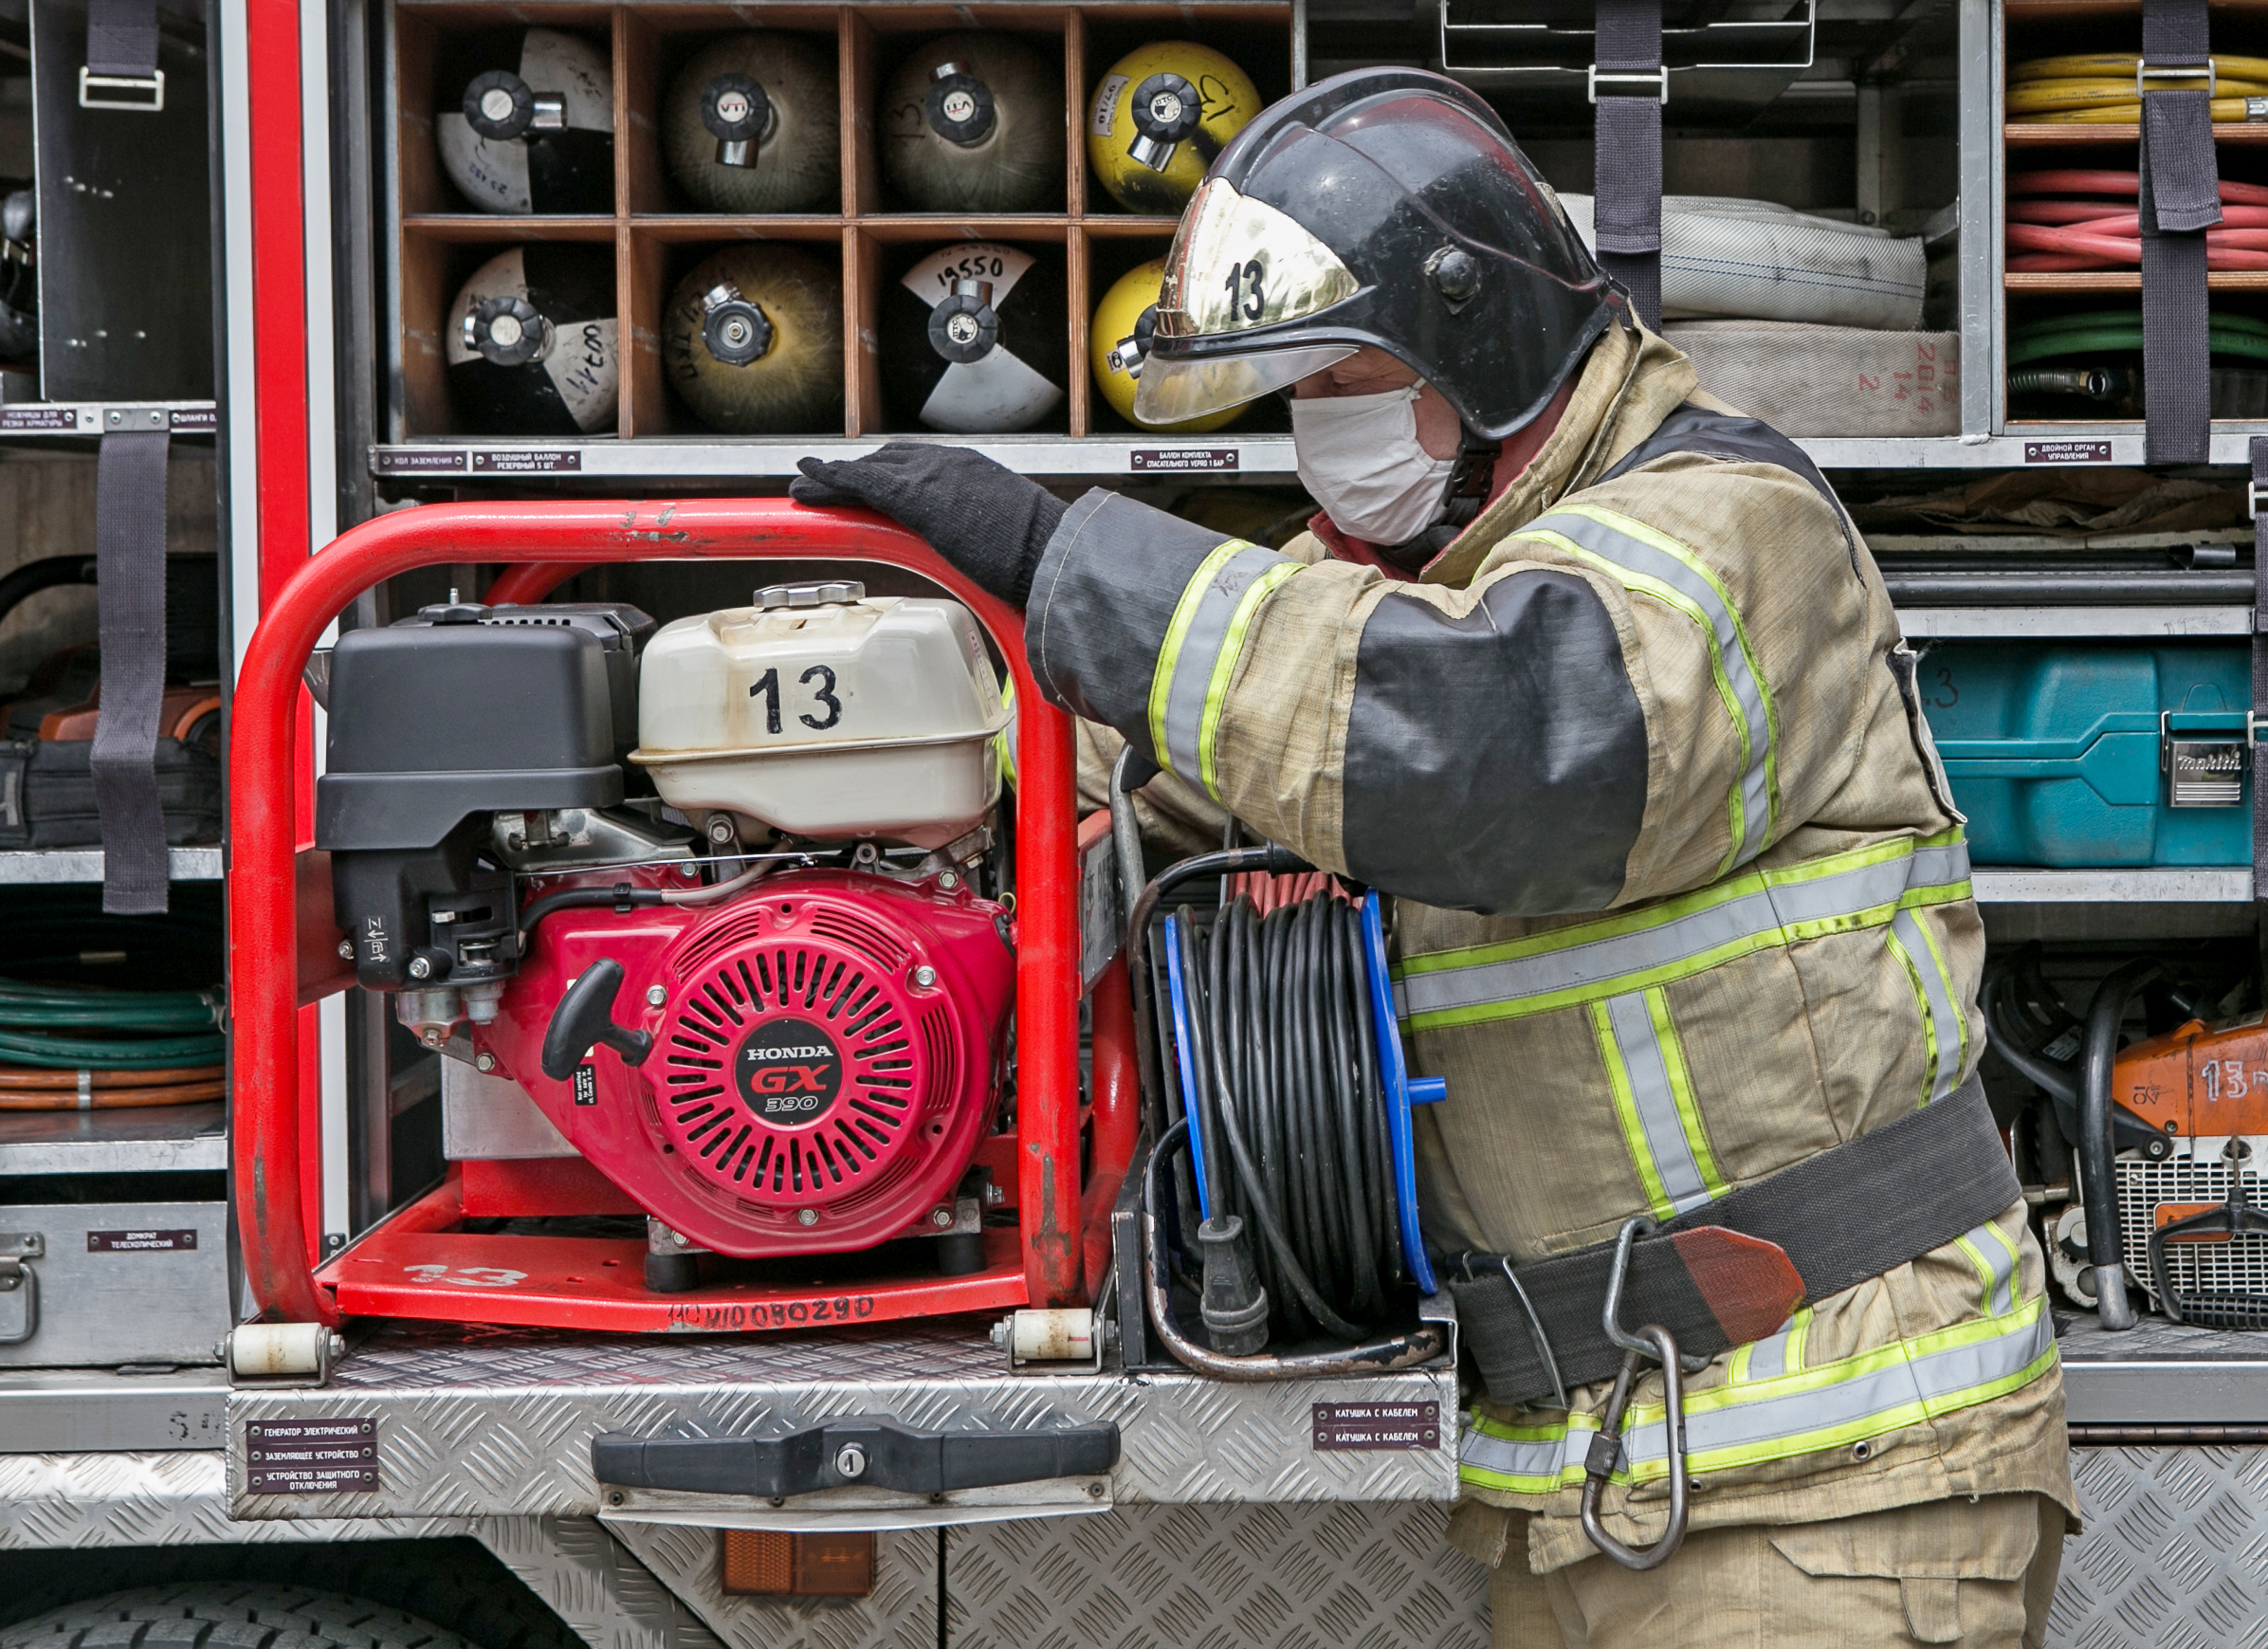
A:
[2203,771]
[19,1286]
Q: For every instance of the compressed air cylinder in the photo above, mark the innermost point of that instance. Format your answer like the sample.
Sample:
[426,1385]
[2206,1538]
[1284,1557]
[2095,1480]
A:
[1158,119]
[524,120]
[752,339]
[752,124]
[1119,339]
[530,342]
[974,122]
[974,338]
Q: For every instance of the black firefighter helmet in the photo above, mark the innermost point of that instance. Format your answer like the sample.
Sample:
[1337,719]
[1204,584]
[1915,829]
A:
[1387,207]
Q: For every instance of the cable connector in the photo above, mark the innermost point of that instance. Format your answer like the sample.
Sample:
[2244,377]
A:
[1234,1306]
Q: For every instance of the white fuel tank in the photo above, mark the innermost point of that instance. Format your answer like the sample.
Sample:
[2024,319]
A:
[825,713]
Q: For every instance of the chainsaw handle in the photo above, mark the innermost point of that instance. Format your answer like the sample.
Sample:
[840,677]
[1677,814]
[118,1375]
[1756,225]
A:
[586,1015]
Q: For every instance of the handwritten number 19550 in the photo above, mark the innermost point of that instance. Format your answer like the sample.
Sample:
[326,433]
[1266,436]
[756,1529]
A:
[767,687]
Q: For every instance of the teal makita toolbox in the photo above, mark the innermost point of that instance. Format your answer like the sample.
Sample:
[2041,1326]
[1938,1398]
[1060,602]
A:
[2099,755]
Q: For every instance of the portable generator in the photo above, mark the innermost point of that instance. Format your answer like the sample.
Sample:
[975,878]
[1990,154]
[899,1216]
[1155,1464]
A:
[728,925]
[768,1002]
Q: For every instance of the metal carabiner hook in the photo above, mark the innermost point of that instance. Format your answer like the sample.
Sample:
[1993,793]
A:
[1652,1340]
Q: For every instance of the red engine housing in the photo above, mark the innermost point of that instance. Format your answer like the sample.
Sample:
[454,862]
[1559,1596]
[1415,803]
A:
[828,1055]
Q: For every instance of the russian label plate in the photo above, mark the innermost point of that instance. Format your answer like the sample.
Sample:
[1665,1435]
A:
[311,1457]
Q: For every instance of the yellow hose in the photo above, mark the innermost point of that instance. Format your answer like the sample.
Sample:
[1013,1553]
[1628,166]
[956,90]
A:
[2226,112]
[2121,65]
[2072,98]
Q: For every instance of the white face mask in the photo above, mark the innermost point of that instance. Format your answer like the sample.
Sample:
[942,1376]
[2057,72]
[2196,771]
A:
[1359,458]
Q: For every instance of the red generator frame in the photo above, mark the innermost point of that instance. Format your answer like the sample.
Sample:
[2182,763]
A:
[283,950]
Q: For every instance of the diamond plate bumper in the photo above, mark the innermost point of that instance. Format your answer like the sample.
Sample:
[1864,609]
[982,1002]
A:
[499,1422]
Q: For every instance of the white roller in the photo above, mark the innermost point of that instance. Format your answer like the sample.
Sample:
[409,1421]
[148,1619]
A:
[1752,259]
[1064,1334]
[276,1350]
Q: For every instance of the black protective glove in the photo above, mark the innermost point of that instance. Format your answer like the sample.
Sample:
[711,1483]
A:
[987,521]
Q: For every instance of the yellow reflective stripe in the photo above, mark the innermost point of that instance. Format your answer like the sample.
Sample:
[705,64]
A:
[1176,631]
[1681,937]
[1921,1003]
[1629,921]
[1004,740]
[1833,1406]
[1945,979]
[1224,667]
[1681,1090]
[1985,1276]
[1626,1112]
[1944,1027]
[1998,1269]
[1736,812]
[1736,1371]
[1638,550]
[1799,1331]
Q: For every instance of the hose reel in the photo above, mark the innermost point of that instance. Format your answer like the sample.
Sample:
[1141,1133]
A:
[1288,1132]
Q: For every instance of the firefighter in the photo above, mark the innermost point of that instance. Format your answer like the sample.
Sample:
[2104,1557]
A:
[1595,677]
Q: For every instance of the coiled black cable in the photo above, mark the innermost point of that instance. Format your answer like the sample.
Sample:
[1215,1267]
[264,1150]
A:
[1290,1112]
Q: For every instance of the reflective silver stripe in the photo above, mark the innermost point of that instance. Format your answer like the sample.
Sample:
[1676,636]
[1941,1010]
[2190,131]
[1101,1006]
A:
[1192,661]
[1655,1102]
[1639,557]
[1550,1457]
[1727,1427]
[1760,911]
[1945,1018]
[2001,1255]
[1767,1359]
[1848,1402]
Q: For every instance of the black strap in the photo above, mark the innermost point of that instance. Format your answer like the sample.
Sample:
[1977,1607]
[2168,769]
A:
[121,37]
[1865,1207]
[2260,665]
[2180,200]
[130,574]
[1626,150]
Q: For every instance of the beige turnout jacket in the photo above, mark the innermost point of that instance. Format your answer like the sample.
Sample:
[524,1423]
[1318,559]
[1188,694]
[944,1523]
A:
[1615,709]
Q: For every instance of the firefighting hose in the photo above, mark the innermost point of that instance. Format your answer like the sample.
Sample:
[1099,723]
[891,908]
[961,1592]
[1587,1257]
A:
[2065,219]
[113,1041]
[2105,89]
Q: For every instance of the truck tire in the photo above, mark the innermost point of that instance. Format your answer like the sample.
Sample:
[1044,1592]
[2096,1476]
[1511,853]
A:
[223,1615]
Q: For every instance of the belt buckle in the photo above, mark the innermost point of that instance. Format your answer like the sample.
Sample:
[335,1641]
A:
[1652,1340]
[2144,71]
[148,91]
[1658,78]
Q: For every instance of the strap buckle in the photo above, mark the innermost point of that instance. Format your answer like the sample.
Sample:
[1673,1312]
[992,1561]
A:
[1658,78]
[150,86]
[1606,1448]
[2144,71]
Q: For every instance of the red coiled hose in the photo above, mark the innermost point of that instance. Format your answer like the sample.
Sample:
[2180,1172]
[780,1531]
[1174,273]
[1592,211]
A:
[2053,227]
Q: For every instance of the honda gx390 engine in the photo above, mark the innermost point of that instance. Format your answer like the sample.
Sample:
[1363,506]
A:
[729,912]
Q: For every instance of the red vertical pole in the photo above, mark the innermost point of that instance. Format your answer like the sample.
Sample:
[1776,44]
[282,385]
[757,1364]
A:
[1046,1004]
[279,391]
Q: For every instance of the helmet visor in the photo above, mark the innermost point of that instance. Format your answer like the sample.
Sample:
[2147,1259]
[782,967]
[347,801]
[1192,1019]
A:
[1171,390]
[1238,264]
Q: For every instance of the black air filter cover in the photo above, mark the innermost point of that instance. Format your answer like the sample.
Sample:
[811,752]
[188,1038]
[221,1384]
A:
[467,709]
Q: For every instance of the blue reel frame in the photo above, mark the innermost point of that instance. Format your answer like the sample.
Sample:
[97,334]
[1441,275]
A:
[1402,1091]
